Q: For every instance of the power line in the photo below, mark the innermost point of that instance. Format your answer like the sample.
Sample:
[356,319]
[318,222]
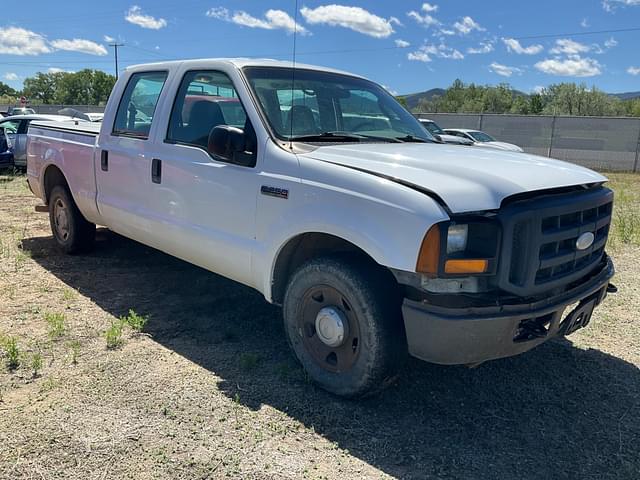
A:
[115,46]
[575,34]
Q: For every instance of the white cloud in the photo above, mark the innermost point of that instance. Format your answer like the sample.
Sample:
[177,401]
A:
[273,20]
[56,70]
[538,89]
[485,47]
[425,19]
[610,5]
[612,42]
[354,18]
[584,23]
[504,70]
[80,45]
[514,46]
[220,13]
[633,70]
[136,16]
[10,76]
[569,47]
[467,25]
[402,43]
[419,56]
[573,66]
[425,52]
[108,39]
[18,41]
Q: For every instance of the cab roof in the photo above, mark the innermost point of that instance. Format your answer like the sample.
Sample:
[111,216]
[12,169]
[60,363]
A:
[238,63]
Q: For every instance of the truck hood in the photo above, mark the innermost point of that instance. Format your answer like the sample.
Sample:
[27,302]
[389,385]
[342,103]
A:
[466,179]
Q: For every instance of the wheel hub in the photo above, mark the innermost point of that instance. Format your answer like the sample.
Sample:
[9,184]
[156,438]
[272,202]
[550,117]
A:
[331,326]
[61,219]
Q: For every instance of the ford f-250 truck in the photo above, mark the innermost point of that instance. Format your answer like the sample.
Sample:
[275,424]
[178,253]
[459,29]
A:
[318,189]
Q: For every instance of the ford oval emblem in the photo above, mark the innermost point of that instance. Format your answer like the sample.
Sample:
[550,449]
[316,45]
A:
[585,240]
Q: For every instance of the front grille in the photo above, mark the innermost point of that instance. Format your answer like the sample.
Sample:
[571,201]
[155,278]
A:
[541,237]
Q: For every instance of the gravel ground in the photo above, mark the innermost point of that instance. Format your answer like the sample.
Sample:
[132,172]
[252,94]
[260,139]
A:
[209,388]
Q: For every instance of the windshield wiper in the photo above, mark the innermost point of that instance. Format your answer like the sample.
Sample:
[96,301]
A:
[412,139]
[337,136]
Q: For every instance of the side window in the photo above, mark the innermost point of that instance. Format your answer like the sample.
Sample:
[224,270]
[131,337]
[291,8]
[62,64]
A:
[138,104]
[24,126]
[205,100]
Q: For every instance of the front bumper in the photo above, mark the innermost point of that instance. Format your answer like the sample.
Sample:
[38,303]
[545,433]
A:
[453,336]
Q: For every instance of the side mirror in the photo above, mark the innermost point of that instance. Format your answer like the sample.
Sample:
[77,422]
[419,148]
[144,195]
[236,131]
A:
[229,144]
[437,137]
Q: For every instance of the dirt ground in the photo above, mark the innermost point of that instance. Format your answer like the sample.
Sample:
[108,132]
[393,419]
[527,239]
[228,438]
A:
[209,389]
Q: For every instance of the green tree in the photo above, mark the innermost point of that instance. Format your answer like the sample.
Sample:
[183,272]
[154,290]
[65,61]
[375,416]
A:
[86,87]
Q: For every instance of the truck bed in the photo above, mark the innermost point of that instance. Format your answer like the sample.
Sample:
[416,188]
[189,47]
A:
[68,146]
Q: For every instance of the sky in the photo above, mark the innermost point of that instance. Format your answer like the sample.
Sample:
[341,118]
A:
[405,45]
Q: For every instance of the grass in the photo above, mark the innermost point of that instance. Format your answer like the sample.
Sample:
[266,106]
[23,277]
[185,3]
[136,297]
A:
[135,321]
[36,363]
[56,323]
[625,228]
[11,351]
[113,335]
[74,346]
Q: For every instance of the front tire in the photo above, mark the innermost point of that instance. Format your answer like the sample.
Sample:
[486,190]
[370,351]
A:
[343,321]
[71,231]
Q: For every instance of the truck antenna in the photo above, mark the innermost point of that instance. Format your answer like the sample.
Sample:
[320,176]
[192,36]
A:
[293,72]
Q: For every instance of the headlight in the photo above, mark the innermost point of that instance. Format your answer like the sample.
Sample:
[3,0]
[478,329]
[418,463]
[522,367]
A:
[457,238]
[454,249]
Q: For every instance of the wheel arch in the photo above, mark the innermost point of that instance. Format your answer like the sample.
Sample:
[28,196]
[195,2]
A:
[307,246]
[52,177]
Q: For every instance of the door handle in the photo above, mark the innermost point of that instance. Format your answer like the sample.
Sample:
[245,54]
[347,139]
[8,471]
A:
[156,170]
[104,160]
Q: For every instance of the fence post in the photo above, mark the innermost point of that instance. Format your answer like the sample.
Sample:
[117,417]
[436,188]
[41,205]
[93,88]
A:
[480,120]
[635,163]
[553,130]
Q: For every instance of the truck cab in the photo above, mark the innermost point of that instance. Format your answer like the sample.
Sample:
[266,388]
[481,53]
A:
[319,190]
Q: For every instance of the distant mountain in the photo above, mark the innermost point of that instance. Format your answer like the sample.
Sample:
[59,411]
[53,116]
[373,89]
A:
[414,98]
[626,95]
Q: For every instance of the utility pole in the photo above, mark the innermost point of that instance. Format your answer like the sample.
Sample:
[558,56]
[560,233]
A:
[115,46]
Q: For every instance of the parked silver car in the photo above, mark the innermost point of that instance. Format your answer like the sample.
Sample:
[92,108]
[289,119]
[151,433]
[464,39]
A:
[15,128]
[482,139]
[434,129]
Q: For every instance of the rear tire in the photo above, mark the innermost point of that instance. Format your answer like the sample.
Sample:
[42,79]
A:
[343,321]
[71,231]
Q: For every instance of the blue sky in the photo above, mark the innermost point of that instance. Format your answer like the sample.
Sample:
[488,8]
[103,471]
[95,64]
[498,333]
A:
[407,46]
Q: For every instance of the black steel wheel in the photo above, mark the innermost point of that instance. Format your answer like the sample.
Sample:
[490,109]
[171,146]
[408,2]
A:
[344,323]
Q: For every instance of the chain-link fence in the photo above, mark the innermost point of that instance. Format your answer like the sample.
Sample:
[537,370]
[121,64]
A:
[604,143]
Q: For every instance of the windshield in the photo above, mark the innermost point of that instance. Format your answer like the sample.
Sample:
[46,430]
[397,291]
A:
[433,127]
[328,106]
[482,137]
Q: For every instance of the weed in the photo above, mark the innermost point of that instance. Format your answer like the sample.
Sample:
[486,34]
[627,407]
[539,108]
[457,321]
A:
[11,350]
[74,345]
[36,363]
[56,324]
[135,321]
[68,295]
[249,361]
[113,335]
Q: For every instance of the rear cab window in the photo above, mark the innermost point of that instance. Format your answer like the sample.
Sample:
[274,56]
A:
[138,104]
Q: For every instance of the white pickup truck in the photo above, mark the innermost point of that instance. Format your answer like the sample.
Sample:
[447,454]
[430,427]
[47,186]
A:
[318,189]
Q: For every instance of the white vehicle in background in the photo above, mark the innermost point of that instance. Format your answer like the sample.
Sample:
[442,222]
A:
[482,139]
[95,117]
[330,199]
[15,128]
[434,129]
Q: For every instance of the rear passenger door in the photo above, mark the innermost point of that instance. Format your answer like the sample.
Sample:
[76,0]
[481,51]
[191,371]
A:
[123,166]
[206,205]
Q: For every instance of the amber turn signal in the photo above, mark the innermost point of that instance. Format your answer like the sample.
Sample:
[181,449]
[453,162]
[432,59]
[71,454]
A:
[466,266]
[429,252]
